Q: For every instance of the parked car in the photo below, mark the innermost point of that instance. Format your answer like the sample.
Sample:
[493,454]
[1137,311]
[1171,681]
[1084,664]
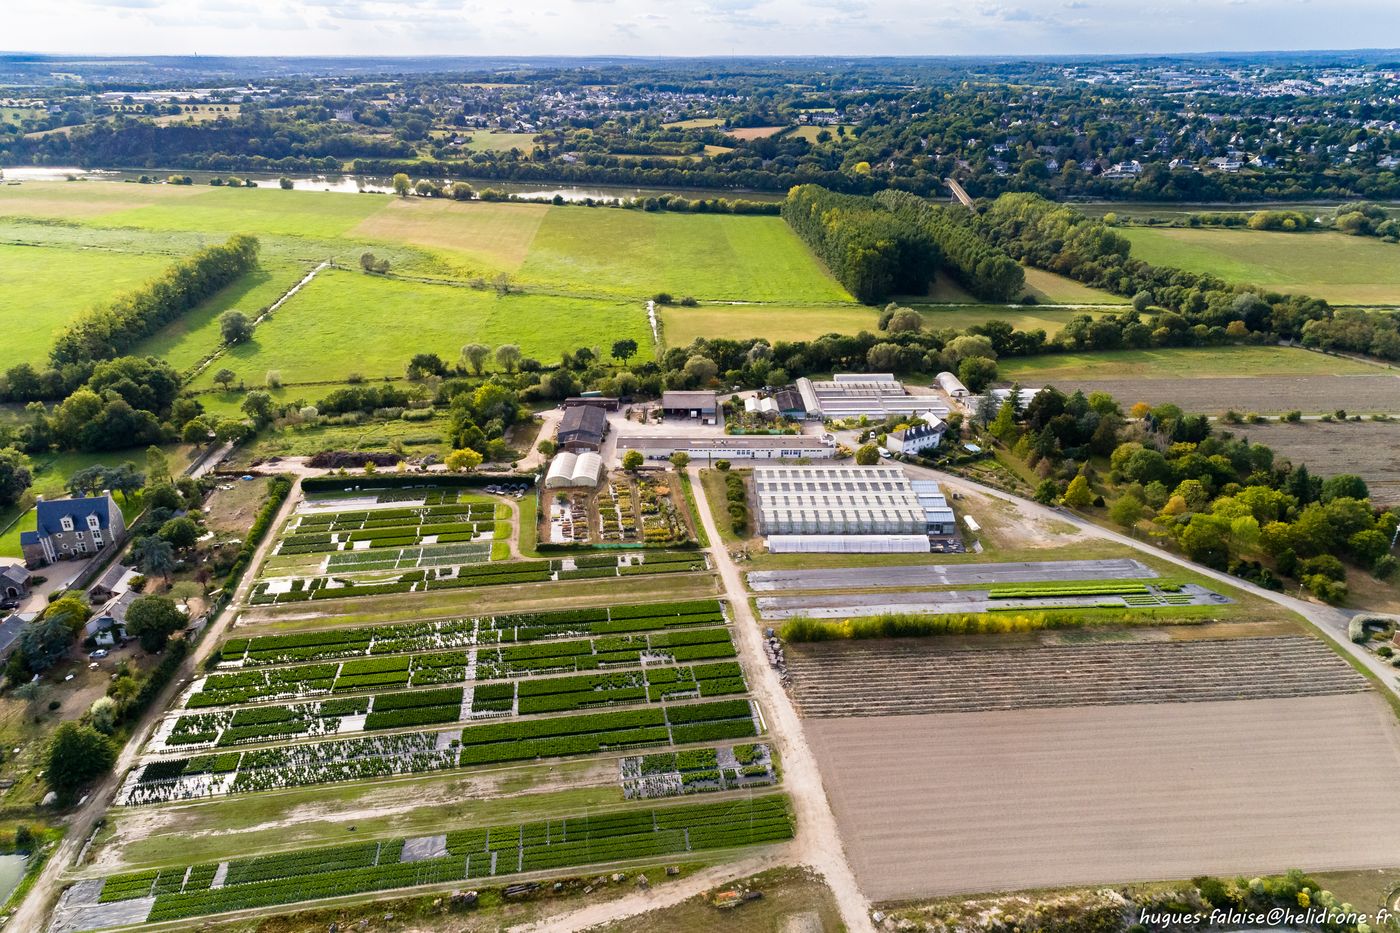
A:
[99,654]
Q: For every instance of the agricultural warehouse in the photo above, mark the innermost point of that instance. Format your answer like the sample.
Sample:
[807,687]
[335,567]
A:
[732,447]
[851,395]
[569,470]
[952,385]
[841,502]
[701,406]
[582,428]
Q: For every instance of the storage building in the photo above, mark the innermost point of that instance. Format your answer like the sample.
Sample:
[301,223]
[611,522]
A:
[581,428]
[851,395]
[938,516]
[731,446]
[701,406]
[951,384]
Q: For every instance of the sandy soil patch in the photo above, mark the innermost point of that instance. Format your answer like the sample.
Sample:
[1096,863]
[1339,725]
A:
[972,802]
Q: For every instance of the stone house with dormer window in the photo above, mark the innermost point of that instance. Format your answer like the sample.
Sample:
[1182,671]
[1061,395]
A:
[72,529]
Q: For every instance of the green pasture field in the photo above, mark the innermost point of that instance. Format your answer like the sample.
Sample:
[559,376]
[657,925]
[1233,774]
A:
[1178,363]
[472,237]
[810,133]
[1341,269]
[44,288]
[185,342]
[484,141]
[418,437]
[1045,287]
[347,322]
[710,256]
[680,325]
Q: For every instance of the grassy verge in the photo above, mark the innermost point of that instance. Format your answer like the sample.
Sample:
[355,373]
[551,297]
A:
[700,534]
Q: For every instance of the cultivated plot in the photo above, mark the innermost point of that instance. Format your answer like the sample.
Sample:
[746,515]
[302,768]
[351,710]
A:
[891,677]
[973,802]
[1367,448]
[1045,571]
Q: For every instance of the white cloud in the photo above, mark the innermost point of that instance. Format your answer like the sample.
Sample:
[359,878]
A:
[691,27]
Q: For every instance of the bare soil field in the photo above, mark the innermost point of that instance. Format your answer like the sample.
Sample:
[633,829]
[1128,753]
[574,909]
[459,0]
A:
[1367,448]
[898,676]
[1266,395]
[972,802]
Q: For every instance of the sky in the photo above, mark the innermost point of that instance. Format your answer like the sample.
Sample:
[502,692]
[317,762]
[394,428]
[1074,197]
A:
[691,27]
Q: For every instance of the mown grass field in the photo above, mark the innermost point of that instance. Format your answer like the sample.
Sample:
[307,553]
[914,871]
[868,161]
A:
[42,289]
[1178,363]
[1045,287]
[709,256]
[185,342]
[1341,269]
[680,325]
[348,322]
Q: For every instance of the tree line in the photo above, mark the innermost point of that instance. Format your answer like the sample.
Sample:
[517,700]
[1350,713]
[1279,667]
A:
[1224,501]
[982,268]
[870,249]
[104,333]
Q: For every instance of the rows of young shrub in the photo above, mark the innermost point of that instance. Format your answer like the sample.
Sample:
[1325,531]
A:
[600,838]
[1088,588]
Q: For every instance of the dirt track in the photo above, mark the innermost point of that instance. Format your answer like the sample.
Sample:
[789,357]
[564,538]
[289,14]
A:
[974,802]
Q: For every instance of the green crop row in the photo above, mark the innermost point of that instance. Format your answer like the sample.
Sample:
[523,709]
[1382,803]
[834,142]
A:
[601,838]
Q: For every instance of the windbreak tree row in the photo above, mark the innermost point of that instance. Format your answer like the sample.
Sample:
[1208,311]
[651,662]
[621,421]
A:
[108,332]
[872,251]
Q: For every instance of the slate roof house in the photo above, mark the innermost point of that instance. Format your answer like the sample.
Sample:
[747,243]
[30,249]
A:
[14,583]
[70,529]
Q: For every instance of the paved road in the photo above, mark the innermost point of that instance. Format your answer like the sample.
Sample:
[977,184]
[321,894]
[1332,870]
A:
[818,841]
[34,909]
[1328,620]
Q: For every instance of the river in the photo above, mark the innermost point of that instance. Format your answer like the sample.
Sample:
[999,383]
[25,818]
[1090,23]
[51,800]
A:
[353,184]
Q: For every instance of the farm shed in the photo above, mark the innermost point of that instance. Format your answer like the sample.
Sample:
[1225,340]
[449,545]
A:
[607,403]
[732,446]
[582,428]
[761,406]
[851,395]
[703,406]
[832,500]
[951,384]
[569,470]
[848,544]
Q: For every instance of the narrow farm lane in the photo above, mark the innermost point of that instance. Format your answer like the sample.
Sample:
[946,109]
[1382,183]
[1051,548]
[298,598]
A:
[1328,620]
[818,842]
[33,911]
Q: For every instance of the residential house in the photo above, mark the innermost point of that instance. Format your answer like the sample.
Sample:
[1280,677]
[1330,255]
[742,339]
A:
[14,583]
[68,529]
[917,438]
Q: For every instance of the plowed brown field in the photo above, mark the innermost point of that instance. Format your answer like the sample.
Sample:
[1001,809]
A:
[1263,394]
[971,802]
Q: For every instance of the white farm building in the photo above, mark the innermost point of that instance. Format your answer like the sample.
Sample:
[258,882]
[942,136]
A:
[848,508]
[710,447]
[570,470]
[851,395]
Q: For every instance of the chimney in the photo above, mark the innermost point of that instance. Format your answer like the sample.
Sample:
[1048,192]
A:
[38,499]
[106,493]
